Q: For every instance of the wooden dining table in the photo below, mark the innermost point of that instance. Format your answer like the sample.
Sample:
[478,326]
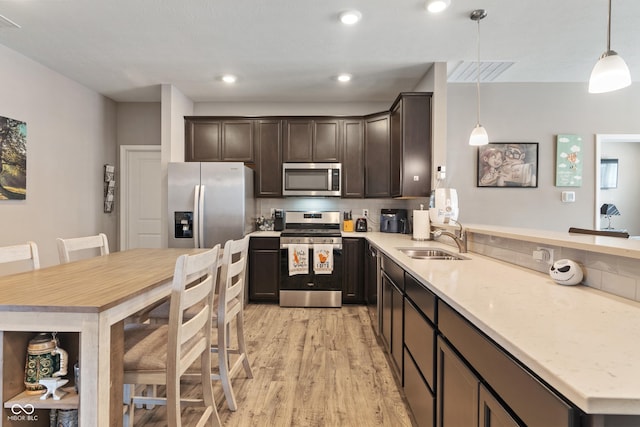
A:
[90,297]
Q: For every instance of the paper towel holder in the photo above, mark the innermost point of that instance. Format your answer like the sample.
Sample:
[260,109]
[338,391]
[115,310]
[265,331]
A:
[421,225]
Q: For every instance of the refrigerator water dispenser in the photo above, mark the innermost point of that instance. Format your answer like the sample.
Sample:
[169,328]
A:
[183,225]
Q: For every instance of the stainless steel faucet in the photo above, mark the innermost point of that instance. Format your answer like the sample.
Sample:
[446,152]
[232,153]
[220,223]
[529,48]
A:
[460,238]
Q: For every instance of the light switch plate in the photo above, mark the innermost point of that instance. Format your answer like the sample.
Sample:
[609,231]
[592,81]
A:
[568,196]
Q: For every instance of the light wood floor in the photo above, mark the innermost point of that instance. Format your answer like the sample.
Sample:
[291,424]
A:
[311,367]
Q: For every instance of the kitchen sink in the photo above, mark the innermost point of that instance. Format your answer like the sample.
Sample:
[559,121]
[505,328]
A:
[431,253]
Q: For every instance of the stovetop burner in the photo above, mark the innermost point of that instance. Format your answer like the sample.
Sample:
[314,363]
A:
[311,228]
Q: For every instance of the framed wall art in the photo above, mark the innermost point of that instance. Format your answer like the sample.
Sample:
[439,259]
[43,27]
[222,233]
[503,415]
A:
[508,164]
[13,159]
[569,161]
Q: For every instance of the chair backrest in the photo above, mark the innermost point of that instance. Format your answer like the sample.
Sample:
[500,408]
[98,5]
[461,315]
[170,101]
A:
[232,273]
[66,246]
[194,283]
[24,252]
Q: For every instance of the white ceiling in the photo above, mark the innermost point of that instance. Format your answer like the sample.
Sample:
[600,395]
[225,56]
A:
[291,50]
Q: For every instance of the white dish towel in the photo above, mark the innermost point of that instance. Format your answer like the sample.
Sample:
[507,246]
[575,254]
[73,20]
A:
[322,259]
[298,259]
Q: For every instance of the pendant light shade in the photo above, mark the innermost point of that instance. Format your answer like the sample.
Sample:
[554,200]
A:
[479,134]
[610,72]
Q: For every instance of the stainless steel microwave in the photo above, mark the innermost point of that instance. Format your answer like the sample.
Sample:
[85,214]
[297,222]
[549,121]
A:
[311,179]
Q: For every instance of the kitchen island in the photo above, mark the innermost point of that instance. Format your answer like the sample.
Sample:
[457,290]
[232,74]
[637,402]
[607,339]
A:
[580,341]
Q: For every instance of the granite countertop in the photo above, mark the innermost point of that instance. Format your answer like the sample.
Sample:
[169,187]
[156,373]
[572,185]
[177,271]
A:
[583,342]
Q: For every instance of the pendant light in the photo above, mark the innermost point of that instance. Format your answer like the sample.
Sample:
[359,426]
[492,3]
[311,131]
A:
[479,134]
[610,72]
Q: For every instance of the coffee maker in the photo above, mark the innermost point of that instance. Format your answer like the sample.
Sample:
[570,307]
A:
[394,221]
[278,220]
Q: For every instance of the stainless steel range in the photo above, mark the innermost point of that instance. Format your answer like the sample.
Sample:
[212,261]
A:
[311,260]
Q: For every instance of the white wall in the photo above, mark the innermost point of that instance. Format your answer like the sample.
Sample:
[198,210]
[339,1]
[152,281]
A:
[174,107]
[70,136]
[138,123]
[533,113]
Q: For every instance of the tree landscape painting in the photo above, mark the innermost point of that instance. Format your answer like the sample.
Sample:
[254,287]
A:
[13,159]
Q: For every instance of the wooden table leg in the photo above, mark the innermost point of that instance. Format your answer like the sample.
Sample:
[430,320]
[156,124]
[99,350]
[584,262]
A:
[117,353]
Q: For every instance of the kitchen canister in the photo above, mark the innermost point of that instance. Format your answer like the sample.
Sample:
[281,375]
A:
[421,225]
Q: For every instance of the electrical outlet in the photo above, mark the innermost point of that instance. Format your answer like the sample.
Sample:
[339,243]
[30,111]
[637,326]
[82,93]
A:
[543,255]
[365,213]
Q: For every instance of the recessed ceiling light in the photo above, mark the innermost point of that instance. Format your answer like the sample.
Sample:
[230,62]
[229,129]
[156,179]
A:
[350,17]
[436,6]
[229,78]
[344,78]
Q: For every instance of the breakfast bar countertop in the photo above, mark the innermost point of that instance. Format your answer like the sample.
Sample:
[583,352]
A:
[581,341]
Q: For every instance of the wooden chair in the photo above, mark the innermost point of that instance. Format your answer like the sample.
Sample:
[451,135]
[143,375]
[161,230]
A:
[67,246]
[24,252]
[161,354]
[230,308]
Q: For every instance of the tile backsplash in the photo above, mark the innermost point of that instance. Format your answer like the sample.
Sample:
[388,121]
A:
[264,206]
[612,274]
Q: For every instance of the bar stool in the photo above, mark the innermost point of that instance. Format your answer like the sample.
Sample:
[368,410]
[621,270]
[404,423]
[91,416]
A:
[231,307]
[161,354]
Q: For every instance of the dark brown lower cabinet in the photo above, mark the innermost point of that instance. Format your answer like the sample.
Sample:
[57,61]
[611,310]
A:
[463,399]
[492,413]
[457,390]
[397,329]
[392,322]
[353,270]
[419,396]
[264,269]
[387,295]
[519,393]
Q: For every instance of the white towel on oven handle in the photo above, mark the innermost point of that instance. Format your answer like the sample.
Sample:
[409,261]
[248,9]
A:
[322,259]
[298,259]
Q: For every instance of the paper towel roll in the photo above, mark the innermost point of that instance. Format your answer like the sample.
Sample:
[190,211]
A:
[421,225]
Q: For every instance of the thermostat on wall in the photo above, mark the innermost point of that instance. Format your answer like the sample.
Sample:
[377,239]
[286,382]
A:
[568,196]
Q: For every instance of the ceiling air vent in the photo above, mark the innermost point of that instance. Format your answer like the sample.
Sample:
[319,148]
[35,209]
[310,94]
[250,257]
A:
[7,23]
[467,71]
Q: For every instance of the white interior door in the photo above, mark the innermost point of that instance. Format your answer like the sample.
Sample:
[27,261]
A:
[140,195]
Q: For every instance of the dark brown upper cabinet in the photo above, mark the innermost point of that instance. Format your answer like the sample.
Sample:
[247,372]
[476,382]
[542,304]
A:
[377,150]
[311,140]
[353,158]
[411,145]
[268,176]
[215,140]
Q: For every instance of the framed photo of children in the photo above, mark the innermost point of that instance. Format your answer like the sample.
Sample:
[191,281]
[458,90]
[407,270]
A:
[508,164]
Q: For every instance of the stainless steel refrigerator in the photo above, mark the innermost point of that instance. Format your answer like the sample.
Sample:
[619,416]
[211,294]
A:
[209,203]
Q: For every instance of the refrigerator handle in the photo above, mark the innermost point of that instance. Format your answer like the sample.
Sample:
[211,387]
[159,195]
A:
[196,217]
[201,217]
